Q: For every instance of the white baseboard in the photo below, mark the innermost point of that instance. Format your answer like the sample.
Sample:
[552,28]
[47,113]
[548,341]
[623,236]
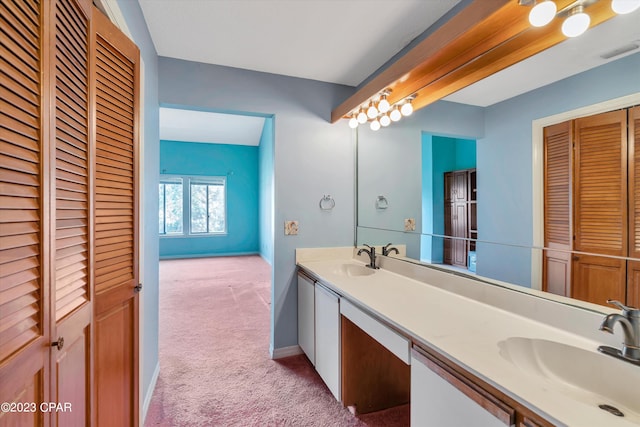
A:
[279,353]
[150,390]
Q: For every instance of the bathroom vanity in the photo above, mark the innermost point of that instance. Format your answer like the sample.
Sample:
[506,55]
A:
[460,351]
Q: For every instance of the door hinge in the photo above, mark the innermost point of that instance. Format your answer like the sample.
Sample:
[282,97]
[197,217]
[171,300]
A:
[137,288]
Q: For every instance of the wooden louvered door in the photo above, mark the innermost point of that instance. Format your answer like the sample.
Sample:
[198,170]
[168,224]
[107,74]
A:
[71,243]
[116,223]
[24,300]
[557,208]
[600,211]
[633,267]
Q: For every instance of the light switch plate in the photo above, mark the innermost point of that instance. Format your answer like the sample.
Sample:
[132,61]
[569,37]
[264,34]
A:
[410,224]
[290,228]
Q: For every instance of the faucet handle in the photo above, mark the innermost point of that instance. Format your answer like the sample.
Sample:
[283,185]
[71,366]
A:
[621,306]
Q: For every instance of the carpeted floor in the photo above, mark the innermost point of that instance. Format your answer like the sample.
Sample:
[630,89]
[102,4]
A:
[215,368]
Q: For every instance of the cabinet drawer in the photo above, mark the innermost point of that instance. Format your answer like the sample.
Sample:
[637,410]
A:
[391,340]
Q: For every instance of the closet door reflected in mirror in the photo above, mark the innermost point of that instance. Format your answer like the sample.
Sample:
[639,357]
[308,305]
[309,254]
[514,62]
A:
[590,193]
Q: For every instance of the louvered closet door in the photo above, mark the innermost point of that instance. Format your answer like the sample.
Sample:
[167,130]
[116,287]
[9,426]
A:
[633,267]
[71,306]
[600,207]
[24,301]
[116,267]
[557,213]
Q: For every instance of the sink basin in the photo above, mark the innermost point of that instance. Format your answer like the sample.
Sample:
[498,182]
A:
[586,376]
[353,270]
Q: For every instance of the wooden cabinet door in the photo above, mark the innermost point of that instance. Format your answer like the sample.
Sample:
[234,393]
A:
[24,212]
[557,208]
[71,283]
[633,282]
[460,228]
[600,211]
[116,81]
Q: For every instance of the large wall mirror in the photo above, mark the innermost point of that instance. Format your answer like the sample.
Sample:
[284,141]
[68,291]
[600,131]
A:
[539,189]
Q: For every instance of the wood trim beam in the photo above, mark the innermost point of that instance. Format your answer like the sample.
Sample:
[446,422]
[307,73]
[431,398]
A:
[484,38]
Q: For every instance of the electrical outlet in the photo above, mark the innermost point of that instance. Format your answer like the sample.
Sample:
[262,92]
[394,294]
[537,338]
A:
[290,228]
[410,224]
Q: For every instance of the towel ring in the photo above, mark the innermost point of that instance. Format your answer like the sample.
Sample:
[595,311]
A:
[327,203]
[382,202]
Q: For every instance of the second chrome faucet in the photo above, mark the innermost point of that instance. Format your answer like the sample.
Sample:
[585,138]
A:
[372,256]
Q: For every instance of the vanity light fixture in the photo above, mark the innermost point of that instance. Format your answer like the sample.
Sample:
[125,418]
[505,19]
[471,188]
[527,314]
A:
[622,7]
[395,114]
[353,122]
[381,114]
[542,13]
[576,23]
[362,117]
[372,111]
[577,20]
[383,105]
[407,108]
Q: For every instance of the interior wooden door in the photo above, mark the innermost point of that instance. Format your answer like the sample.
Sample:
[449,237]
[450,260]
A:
[24,212]
[71,304]
[557,208]
[633,280]
[116,76]
[460,228]
[600,210]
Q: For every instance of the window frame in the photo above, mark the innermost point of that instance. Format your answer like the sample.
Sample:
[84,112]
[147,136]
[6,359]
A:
[186,181]
[170,179]
[209,180]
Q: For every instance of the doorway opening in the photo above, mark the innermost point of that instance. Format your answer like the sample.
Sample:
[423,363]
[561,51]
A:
[449,201]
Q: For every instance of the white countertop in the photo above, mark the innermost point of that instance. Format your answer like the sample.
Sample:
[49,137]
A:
[468,332]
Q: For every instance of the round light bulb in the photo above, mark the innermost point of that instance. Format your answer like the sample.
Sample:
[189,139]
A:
[624,6]
[395,115]
[383,105]
[385,121]
[372,111]
[406,109]
[361,117]
[576,23]
[353,122]
[542,13]
[375,125]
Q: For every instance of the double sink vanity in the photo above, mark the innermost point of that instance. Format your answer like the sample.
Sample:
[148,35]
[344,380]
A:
[461,351]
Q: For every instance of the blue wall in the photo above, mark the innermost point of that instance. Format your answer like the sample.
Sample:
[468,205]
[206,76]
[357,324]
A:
[311,157]
[265,161]
[239,164]
[505,159]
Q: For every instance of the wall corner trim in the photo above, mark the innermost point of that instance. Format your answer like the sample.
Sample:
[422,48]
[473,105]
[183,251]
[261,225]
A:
[149,393]
[280,353]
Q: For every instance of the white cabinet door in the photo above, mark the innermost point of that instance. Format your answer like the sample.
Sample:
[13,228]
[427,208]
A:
[436,402]
[328,338]
[306,317]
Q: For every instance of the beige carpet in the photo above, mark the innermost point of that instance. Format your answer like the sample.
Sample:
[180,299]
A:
[215,368]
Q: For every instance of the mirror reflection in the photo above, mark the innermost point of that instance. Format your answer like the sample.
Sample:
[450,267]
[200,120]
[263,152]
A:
[554,168]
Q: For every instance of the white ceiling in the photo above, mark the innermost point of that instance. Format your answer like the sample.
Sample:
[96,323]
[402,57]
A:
[338,41]
[202,126]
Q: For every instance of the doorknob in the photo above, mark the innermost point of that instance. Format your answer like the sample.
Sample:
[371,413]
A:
[137,288]
[59,343]
[576,258]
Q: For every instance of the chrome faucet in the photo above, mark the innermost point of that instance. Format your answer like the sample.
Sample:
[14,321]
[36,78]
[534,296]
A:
[386,250]
[630,322]
[372,256]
